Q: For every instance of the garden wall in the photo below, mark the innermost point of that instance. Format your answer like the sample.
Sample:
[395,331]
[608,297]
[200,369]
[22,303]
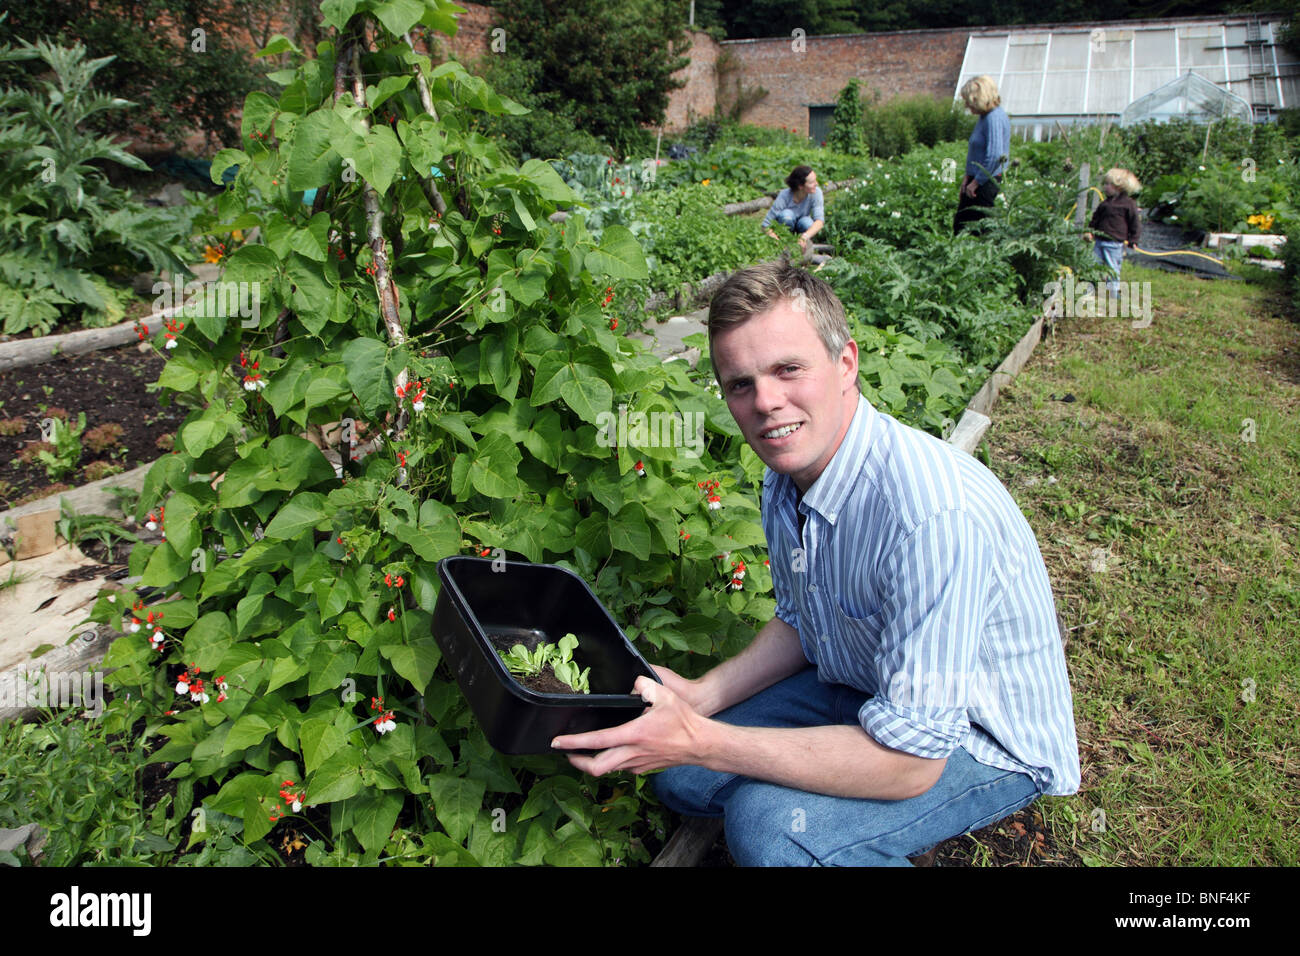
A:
[903,63]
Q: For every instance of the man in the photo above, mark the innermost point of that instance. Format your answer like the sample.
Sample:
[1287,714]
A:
[912,685]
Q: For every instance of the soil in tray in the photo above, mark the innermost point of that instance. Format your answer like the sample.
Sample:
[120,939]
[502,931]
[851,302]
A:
[109,386]
[544,683]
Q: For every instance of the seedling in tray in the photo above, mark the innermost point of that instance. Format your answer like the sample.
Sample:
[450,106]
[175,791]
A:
[531,666]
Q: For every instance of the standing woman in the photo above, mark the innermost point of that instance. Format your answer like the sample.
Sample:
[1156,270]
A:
[986,153]
[799,207]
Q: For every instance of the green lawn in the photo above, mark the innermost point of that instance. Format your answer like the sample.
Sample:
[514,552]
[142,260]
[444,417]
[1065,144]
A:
[1170,538]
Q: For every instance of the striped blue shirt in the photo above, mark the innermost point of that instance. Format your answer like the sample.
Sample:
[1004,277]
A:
[917,580]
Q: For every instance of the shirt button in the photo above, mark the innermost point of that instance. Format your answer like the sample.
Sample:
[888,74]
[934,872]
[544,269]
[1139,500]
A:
[812,589]
[825,638]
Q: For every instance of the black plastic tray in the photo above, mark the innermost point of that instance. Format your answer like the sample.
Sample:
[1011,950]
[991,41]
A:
[530,603]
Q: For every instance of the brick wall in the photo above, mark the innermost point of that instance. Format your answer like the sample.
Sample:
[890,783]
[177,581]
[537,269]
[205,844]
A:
[473,37]
[897,64]
[696,99]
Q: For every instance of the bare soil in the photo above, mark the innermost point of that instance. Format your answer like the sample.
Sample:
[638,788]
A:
[110,387]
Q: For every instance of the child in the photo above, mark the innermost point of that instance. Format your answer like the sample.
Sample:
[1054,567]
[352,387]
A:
[1117,221]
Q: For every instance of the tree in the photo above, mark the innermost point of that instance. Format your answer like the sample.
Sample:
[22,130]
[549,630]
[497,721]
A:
[846,122]
[609,67]
[186,64]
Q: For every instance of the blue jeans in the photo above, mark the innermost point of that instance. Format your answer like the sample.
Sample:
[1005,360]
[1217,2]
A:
[1111,255]
[771,825]
[786,218]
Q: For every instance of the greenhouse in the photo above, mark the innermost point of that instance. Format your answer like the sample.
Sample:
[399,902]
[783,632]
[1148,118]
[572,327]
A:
[1074,74]
[1191,97]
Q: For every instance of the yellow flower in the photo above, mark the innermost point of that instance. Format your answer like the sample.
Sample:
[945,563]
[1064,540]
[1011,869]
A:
[237,235]
[211,255]
[706,182]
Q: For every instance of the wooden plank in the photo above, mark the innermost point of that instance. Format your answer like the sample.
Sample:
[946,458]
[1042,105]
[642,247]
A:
[1081,206]
[84,654]
[24,352]
[34,534]
[91,498]
[692,841]
[969,431]
[1008,370]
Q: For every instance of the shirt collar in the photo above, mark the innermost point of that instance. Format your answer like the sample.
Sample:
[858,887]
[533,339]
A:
[831,490]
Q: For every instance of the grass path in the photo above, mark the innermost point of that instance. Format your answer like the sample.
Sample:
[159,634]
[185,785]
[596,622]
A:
[1160,469]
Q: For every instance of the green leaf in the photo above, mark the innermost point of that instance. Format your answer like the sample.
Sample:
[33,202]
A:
[629,532]
[249,731]
[319,740]
[313,296]
[548,182]
[299,515]
[365,361]
[285,670]
[165,567]
[208,640]
[338,12]
[312,159]
[289,385]
[374,815]
[377,157]
[312,242]
[169,471]
[587,393]
[375,95]
[338,778]
[398,16]
[423,140]
[580,849]
[204,433]
[226,158]
[493,469]
[278,44]
[329,663]
[181,524]
[618,257]
[415,661]
[456,802]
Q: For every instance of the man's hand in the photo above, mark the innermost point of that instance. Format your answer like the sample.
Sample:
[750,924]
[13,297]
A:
[971,188]
[773,235]
[1087,237]
[664,736]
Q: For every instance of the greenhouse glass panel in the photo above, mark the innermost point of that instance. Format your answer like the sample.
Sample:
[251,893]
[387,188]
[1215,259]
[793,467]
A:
[1020,92]
[1063,93]
[984,55]
[1154,48]
[1025,54]
[1193,53]
[1147,81]
[1108,91]
[1069,52]
[1113,50]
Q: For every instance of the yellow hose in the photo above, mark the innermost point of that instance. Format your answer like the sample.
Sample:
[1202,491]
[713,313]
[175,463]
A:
[1145,252]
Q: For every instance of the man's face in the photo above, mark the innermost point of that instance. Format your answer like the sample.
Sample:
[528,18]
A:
[792,401]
